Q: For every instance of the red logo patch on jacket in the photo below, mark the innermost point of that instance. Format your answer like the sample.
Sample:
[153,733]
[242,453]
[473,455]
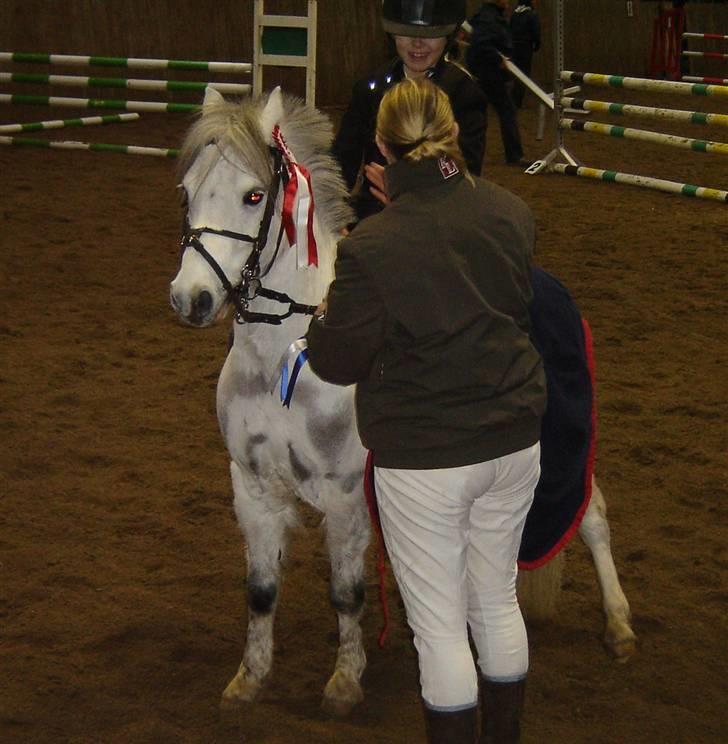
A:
[448,168]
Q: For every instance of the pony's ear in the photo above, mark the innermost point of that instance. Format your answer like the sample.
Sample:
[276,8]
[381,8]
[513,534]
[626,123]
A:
[212,96]
[272,114]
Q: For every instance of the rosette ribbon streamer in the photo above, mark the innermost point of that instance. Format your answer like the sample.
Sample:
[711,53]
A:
[298,205]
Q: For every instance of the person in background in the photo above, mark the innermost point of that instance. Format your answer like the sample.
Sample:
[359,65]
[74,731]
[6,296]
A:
[428,316]
[424,36]
[491,38]
[526,34]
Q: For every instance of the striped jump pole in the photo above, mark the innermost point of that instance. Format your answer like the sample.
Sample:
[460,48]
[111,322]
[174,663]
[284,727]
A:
[85,121]
[686,143]
[711,80]
[81,81]
[624,109]
[92,146]
[672,187]
[148,106]
[696,35]
[709,55]
[665,86]
[131,62]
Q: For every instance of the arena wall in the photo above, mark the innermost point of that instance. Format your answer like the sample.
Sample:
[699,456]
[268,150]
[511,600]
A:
[601,36]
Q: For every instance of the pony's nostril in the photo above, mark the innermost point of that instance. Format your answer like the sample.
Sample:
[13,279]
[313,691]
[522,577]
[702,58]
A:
[203,304]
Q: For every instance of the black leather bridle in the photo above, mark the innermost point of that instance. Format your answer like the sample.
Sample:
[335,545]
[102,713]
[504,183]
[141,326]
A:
[250,285]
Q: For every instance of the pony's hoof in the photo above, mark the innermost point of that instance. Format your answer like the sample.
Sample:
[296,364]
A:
[342,693]
[622,649]
[242,689]
[621,641]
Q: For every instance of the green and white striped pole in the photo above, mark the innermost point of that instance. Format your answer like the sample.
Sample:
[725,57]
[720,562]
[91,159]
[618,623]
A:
[82,81]
[92,146]
[147,106]
[659,184]
[84,121]
[665,86]
[625,109]
[131,62]
[696,145]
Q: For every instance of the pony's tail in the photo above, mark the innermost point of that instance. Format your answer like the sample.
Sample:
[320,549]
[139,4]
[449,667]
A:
[539,590]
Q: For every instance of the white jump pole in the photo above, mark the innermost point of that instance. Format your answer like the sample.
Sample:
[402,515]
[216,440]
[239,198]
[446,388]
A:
[131,62]
[628,109]
[696,145]
[84,121]
[695,35]
[82,81]
[710,55]
[660,184]
[159,152]
[712,80]
[632,83]
[147,106]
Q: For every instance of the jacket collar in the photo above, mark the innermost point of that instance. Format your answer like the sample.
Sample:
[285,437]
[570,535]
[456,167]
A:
[413,175]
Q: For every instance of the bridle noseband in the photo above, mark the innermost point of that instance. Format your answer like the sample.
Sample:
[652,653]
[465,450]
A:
[250,285]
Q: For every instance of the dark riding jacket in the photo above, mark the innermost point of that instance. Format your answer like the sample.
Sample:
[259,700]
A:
[354,142]
[490,38]
[525,27]
[429,315]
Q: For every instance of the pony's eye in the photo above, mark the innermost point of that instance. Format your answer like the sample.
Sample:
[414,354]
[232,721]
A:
[253,198]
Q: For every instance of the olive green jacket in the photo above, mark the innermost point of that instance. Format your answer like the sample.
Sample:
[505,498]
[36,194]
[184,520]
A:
[428,314]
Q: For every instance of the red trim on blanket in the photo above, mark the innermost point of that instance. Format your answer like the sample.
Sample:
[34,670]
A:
[371,496]
[591,456]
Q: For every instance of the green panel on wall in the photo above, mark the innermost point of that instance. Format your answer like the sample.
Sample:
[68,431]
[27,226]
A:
[291,41]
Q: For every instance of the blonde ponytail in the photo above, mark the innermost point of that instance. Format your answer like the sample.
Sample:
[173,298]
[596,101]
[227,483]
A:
[415,121]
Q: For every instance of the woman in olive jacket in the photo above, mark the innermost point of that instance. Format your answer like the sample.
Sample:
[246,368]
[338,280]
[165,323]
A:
[428,315]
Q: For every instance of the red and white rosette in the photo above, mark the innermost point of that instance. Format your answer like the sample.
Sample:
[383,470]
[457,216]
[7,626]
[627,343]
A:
[298,206]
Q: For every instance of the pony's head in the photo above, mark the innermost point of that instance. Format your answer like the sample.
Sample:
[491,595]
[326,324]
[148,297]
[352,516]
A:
[263,198]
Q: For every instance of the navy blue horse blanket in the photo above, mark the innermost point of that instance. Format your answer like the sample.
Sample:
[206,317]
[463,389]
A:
[568,429]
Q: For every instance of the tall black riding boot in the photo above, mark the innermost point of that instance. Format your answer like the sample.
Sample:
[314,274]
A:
[451,727]
[502,709]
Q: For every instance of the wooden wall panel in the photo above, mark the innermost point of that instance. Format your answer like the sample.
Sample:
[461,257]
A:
[600,36]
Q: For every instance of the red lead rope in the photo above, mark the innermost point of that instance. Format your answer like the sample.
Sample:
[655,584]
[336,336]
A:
[371,496]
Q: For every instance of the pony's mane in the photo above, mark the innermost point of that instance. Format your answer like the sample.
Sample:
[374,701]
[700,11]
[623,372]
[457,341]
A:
[307,132]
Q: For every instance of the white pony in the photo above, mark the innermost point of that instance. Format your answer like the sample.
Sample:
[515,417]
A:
[252,174]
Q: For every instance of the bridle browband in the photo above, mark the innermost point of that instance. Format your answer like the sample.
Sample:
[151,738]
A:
[250,285]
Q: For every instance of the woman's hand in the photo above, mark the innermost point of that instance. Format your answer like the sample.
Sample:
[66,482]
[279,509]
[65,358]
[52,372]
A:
[375,173]
[320,310]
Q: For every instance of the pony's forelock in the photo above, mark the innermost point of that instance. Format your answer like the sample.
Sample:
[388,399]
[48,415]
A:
[307,132]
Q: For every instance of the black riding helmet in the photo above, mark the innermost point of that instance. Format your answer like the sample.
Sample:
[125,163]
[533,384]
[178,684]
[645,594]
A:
[425,18]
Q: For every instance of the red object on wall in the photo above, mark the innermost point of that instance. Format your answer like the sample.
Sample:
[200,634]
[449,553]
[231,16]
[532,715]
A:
[667,31]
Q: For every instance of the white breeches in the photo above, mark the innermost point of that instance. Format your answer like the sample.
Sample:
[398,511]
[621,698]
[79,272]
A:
[452,536]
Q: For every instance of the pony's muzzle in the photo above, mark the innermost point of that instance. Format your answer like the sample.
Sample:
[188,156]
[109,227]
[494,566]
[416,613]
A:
[197,311]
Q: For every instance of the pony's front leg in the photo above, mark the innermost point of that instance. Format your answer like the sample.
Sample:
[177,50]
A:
[264,525]
[347,535]
[594,531]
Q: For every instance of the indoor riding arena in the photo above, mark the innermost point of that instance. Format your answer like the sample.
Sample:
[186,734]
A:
[122,589]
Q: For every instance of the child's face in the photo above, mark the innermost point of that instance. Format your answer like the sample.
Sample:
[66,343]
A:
[419,54]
